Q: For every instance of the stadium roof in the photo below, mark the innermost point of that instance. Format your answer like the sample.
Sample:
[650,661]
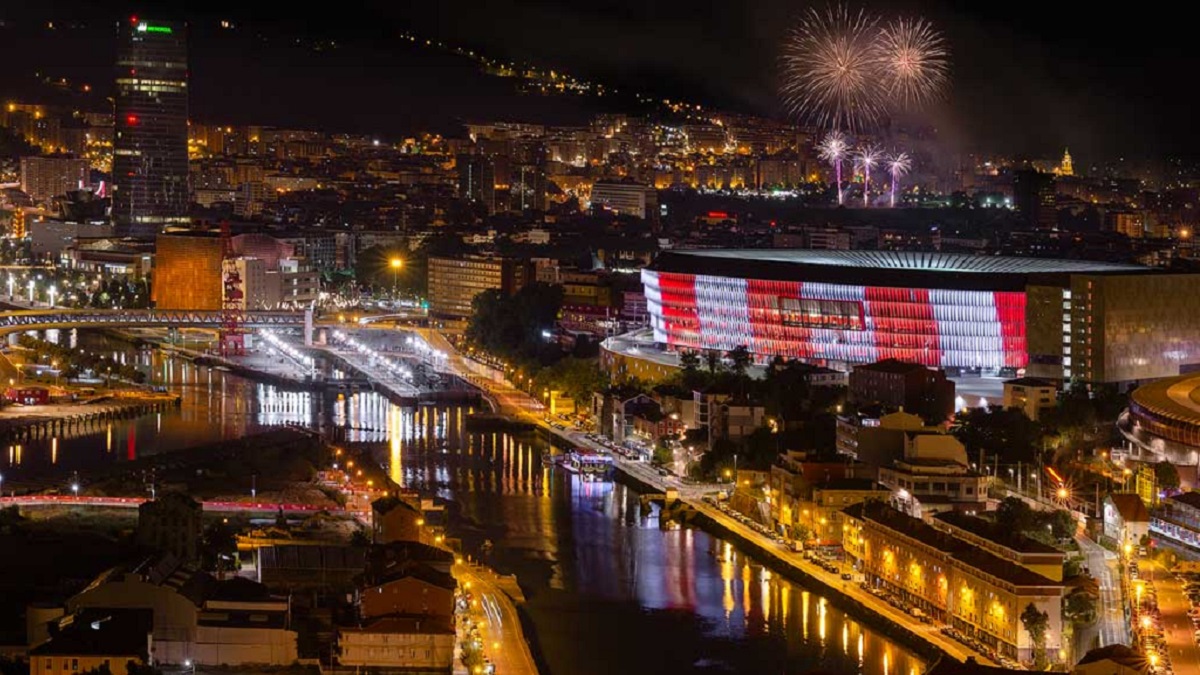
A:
[914,269]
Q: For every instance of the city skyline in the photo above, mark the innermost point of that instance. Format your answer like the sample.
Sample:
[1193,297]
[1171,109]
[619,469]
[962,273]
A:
[1019,87]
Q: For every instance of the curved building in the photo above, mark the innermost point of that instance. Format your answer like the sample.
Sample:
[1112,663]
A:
[1168,409]
[970,314]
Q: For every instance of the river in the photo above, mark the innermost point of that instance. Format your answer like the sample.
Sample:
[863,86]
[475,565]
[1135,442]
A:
[608,590]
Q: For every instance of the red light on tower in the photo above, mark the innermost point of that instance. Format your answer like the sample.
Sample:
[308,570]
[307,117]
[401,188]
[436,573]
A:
[133,19]
[131,120]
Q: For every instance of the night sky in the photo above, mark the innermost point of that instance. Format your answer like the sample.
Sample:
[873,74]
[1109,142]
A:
[1028,77]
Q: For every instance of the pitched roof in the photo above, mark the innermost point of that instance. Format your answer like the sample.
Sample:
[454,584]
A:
[995,532]
[100,632]
[1117,653]
[1132,508]
[1191,499]
[403,624]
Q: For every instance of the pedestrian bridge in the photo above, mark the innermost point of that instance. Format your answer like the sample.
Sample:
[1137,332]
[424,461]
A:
[22,320]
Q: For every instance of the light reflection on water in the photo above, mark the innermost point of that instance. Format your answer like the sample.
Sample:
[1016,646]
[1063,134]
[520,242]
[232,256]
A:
[609,590]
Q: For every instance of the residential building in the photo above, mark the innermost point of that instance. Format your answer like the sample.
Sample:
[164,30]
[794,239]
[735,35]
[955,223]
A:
[1030,395]
[926,466]
[95,638]
[1126,519]
[898,385]
[477,180]
[626,198]
[454,282]
[1000,540]
[43,178]
[172,523]
[952,579]
[300,567]
[398,644]
[198,618]
[150,161]
[395,519]
[410,590]
[1035,199]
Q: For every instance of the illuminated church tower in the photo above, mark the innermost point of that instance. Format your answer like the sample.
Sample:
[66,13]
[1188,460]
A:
[1066,168]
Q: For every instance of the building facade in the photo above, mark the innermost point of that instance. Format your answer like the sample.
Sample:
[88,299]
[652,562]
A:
[187,272]
[626,199]
[454,282]
[150,161]
[45,177]
[1030,395]
[898,385]
[967,314]
[171,524]
[952,579]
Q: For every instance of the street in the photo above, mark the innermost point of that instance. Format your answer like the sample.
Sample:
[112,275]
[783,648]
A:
[1111,627]
[501,632]
[1173,605]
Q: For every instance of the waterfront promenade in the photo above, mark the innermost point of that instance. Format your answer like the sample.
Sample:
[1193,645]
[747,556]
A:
[520,405]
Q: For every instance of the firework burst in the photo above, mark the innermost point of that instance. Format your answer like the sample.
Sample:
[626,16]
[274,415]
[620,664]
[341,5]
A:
[898,164]
[833,149]
[830,69]
[912,62]
[866,157]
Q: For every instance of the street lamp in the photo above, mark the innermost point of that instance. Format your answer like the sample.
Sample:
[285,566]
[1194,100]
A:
[396,264]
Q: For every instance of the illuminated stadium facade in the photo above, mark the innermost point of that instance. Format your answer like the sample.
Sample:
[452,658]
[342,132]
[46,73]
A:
[1061,319]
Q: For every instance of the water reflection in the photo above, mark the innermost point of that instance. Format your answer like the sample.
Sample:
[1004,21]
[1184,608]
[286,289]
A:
[609,588]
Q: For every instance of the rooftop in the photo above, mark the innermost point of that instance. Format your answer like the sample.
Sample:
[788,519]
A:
[1191,499]
[100,632]
[1133,509]
[401,624]
[974,558]
[1173,400]
[903,269]
[995,532]
[915,260]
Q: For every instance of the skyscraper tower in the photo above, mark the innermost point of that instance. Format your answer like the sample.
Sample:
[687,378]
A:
[150,168]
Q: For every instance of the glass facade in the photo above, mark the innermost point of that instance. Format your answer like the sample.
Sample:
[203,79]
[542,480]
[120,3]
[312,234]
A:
[150,170]
[838,324]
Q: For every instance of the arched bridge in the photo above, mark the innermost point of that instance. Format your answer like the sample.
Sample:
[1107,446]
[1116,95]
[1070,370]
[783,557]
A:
[21,320]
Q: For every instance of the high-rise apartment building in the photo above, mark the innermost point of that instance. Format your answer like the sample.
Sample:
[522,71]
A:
[477,180]
[454,282]
[150,168]
[1035,199]
[626,198]
[43,178]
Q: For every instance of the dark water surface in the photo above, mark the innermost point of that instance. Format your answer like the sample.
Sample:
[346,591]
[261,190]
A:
[608,589]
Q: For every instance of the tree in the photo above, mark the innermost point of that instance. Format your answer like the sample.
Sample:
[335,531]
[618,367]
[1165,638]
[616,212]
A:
[1062,524]
[740,360]
[712,360]
[689,360]
[1015,514]
[1079,608]
[1166,475]
[1036,622]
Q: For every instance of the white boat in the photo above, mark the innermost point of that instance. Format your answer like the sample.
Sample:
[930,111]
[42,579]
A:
[586,462]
